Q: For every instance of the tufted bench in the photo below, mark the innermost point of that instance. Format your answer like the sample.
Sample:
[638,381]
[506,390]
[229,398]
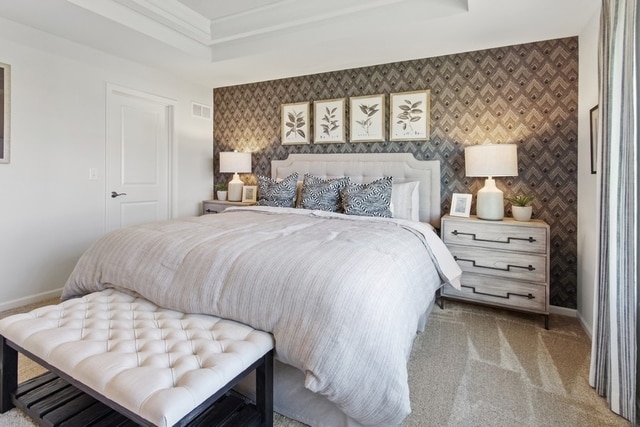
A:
[154,366]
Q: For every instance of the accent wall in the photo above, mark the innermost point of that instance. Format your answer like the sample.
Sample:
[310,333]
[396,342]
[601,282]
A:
[524,94]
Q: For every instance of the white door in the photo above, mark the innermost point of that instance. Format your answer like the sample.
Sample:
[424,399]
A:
[138,158]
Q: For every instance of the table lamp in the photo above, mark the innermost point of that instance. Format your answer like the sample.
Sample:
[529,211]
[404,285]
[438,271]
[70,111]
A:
[491,160]
[235,162]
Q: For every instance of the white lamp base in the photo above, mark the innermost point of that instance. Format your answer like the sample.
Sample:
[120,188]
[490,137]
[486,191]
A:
[235,189]
[490,202]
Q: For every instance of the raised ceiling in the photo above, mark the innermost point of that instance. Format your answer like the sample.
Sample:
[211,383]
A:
[221,42]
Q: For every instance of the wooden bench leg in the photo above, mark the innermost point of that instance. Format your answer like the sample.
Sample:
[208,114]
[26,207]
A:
[8,374]
[264,389]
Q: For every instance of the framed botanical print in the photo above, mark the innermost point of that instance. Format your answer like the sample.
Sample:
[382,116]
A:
[295,123]
[328,116]
[410,116]
[367,118]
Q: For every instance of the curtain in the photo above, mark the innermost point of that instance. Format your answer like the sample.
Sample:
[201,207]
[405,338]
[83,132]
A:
[614,356]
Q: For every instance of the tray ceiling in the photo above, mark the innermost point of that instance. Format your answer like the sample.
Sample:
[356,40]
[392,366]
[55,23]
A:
[221,43]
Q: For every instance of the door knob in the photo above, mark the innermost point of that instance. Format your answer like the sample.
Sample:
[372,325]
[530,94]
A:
[114,194]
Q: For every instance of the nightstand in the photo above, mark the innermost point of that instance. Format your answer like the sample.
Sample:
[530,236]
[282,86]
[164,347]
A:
[217,206]
[504,263]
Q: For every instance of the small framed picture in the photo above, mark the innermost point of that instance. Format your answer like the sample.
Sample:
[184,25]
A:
[367,118]
[249,193]
[410,116]
[593,118]
[460,204]
[329,121]
[295,124]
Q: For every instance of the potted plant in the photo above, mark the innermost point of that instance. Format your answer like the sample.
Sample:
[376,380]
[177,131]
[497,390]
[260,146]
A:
[221,191]
[520,207]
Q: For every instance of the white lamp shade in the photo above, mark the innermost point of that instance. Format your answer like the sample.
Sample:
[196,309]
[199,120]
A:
[235,162]
[491,160]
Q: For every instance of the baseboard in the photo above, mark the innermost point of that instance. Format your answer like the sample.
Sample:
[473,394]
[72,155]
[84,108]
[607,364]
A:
[586,327]
[571,312]
[30,299]
[563,311]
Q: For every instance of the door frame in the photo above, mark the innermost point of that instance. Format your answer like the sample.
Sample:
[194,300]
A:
[169,104]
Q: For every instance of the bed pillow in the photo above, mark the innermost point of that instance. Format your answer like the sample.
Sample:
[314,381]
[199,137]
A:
[322,194]
[373,199]
[280,194]
[297,202]
[405,200]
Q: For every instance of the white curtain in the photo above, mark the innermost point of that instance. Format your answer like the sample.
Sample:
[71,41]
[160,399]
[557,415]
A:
[614,363]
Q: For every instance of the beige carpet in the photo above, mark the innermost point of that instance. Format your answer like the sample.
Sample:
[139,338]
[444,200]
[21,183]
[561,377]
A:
[477,366]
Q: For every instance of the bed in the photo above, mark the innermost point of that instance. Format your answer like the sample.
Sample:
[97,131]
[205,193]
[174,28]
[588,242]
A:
[343,295]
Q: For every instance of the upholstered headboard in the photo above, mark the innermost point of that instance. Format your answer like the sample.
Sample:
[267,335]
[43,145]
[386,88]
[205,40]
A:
[367,167]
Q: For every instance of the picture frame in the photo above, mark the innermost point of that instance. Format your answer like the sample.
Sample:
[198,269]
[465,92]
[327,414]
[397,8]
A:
[5,112]
[460,205]
[593,127]
[410,116]
[249,193]
[295,123]
[367,118]
[329,121]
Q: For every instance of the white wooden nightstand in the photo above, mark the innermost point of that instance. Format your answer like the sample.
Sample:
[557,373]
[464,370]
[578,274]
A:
[504,263]
[217,206]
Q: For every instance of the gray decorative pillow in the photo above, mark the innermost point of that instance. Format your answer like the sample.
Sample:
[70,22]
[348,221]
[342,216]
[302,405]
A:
[279,194]
[322,194]
[371,199]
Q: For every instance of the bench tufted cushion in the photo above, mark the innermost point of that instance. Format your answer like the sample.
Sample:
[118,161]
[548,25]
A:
[157,363]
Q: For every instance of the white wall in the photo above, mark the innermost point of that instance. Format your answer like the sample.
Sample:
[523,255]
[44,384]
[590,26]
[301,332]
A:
[49,210]
[587,182]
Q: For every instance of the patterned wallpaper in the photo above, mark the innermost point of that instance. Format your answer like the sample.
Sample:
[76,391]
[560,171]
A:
[525,94]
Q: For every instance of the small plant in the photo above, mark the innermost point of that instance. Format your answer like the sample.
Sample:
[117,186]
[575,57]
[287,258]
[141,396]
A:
[521,200]
[220,187]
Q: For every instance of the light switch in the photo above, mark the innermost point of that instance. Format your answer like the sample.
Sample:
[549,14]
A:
[93,174]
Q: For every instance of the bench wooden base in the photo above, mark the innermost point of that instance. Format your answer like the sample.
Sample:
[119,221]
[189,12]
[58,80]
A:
[55,399]
[51,401]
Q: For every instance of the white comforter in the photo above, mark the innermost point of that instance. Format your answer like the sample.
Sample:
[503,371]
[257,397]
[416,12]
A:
[342,295]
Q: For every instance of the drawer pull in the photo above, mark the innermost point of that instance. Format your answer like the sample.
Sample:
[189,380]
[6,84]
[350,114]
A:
[509,266]
[211,211]
[508,296]
[508,241]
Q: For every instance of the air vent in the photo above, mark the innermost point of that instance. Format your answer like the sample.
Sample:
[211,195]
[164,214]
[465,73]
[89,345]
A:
[201,110]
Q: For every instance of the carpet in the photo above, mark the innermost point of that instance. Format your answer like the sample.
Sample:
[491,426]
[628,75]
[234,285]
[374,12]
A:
[480,366]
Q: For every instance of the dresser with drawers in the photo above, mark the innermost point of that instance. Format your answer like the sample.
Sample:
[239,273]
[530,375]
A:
[504,263]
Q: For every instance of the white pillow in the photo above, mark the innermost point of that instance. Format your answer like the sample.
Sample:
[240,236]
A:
[405,200]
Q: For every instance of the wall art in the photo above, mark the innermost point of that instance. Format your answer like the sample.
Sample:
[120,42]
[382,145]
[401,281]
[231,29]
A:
[410,116]
[367,118]
[329,123]
[295,123]
[5,109]
[593,121]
